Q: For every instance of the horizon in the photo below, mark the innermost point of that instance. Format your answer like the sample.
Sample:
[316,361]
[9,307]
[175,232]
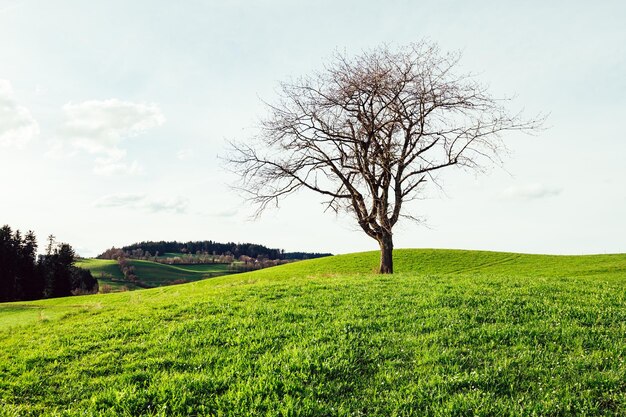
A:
[113,117]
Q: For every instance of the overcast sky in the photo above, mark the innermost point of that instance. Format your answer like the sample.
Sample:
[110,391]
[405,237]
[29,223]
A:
[113,114]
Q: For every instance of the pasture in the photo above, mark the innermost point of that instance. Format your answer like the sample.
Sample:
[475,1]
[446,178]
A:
[150,274]
[452,333]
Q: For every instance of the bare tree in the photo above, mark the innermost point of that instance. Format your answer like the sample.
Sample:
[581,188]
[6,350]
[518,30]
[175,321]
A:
[369,132]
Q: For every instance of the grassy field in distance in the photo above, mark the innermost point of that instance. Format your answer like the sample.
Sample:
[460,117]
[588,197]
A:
[452,333]
[155,274]
[151,274]
[99,267]
[107,272]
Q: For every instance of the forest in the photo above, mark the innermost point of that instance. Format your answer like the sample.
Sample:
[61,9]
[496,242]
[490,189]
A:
[206,247]
[25,275]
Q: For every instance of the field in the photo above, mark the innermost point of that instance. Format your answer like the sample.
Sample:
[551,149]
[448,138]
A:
[156,274]
[170,255]
[452,333]
[107,272]
[151,274]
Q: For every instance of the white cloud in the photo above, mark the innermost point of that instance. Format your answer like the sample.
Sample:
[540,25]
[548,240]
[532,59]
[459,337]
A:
[141,201]
[116,166]
[17,125]
[184,154]
[120,200]
[174,204]
[100,127]
[528,192]
[225,213]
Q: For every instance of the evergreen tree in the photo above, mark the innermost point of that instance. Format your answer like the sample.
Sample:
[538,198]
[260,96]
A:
[7,264]
[23,277]
[33,284]
[83,281]
[57,264]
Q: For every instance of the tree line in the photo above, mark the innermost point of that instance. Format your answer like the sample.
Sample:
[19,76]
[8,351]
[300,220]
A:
[207,247]
[24,275]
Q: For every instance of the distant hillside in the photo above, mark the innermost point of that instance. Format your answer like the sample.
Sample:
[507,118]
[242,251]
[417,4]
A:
[149,274]
[150,248]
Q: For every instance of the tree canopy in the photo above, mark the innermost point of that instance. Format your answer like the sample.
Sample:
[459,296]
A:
[369,132]
[26,276]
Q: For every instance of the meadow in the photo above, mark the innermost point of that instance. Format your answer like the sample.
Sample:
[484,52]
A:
[107,272]
[151,274]
[452,333]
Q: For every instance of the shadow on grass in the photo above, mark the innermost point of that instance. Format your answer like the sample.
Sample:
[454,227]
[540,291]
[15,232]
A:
[9,308]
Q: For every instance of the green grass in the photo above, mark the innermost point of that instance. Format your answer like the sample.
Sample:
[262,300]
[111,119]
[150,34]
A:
[101,268]
[155,274]
[452,333]
[170,255]
[151,274]
[107,272]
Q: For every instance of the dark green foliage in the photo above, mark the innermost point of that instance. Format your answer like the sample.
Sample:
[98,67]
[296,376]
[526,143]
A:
[83,281]
[304,255]
[208,246]
[20,279]
[33,285]
[23,277]
[56,267]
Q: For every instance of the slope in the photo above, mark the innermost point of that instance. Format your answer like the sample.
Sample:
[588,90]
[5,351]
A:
[452,333]
[151,274]
[155,274]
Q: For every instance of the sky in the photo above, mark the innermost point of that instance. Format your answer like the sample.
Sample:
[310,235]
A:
[114,115]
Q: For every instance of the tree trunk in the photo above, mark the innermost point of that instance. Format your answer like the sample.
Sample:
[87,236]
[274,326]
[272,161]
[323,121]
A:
[386,254]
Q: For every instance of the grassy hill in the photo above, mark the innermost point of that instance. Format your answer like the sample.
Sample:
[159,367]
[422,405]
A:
[106,271]
[451,333]
[151,274]
[156,274]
